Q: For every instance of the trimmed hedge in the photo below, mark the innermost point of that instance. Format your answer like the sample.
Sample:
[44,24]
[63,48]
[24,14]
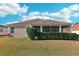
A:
[34,34]
[60,36]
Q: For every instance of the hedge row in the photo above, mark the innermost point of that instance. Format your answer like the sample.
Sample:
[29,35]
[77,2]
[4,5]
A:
[33,34]
[61,36]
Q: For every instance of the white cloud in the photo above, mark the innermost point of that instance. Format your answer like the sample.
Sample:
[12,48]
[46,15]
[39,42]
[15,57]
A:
[2,14]
[66,13]
[24,9]
[74,7]
[68,21]
[34,13]
[76,15]
[14,8]
[44,13]
[24,18]
[12,22]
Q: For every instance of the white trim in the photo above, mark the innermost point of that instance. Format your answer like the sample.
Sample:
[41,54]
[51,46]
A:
[41,29]
[60,28]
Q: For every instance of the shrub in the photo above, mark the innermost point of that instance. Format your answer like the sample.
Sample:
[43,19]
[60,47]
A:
[32,32]
[52,35]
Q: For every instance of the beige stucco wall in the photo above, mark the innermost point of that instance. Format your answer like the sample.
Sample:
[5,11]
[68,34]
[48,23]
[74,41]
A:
[4,31]
[19,32]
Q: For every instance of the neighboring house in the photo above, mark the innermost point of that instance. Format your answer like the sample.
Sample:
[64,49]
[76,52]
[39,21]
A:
[20,29]
[3,30]
[75,28]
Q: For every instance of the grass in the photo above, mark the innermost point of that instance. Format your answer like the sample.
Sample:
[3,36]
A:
[26,47]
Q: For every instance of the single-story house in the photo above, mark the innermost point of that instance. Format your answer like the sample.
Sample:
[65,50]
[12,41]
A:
[3,30]
[42,25]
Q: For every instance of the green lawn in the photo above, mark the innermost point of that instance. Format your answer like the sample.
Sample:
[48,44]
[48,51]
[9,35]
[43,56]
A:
[26,47]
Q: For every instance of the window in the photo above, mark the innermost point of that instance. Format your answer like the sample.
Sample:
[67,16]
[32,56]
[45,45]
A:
[1,30]
[46,28]
[12,30]
[55,29]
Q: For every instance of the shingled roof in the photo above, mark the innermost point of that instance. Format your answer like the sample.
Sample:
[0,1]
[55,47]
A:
[40,22]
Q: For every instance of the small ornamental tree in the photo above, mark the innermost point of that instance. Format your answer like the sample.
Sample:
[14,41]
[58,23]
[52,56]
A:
[32,33]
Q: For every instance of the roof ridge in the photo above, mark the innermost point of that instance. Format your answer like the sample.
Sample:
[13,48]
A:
[39,22]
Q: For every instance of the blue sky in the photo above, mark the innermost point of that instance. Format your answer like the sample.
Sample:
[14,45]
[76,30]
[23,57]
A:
[12,13]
